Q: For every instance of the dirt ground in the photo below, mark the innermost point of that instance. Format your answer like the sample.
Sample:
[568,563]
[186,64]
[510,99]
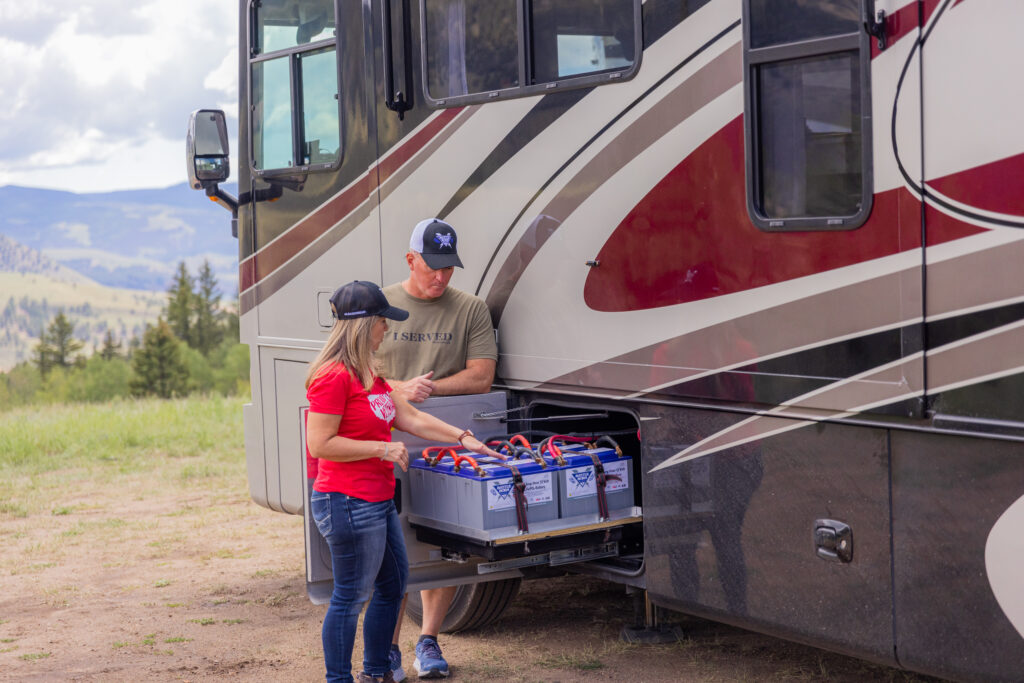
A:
[157,587]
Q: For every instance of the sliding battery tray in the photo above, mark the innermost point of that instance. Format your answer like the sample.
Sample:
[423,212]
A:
[505,543]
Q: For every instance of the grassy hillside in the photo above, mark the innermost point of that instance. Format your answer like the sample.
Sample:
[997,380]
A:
[28,301]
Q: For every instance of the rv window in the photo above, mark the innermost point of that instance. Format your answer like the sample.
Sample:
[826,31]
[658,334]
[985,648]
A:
[774,22]
[272,114]
[283,24]
[479,49]
[808,134]
[471,46]
[293,86]
[809,125]
[321,134]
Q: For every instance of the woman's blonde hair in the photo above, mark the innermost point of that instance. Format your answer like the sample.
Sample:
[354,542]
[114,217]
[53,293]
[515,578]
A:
[350,344]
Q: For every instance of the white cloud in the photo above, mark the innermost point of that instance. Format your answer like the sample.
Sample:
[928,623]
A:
[75,232]
[95,95]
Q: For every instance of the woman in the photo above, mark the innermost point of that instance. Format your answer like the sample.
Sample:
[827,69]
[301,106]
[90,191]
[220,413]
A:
[351,413]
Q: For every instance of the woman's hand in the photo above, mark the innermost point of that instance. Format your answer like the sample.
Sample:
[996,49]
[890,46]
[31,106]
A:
[395,451]
[471,443]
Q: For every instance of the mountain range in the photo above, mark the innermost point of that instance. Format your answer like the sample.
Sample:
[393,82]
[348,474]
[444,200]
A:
[105,259]
[132,239]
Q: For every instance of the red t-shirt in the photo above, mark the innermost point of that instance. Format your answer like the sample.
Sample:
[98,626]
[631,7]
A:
[366,416]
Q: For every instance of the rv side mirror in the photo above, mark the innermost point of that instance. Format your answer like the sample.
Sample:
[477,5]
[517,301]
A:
[206,149]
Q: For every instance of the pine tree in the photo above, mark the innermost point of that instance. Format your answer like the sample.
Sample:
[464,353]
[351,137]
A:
[42,353]
[157,365]
[207,330]
[110,350]
[62,341]
[179,304]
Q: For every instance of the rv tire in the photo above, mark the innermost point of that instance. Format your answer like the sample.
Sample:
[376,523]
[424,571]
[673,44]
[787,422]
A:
[475,605]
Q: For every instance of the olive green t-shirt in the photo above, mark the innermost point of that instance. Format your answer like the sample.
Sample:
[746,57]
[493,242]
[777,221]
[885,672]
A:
[440,334]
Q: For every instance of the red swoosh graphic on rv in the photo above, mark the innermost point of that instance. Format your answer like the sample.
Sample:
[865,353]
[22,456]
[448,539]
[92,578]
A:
[302,234]
[690,238]
[991,187]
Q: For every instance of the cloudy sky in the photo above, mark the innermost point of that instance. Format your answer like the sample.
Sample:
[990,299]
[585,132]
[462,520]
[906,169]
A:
[95,94]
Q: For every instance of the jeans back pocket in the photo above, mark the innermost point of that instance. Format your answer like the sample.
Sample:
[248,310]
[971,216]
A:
[320,507]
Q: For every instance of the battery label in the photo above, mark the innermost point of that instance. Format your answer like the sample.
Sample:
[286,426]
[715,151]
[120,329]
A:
[582,482]
[501,492]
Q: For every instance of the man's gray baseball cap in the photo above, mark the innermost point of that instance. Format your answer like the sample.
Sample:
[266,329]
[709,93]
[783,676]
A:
[436,242]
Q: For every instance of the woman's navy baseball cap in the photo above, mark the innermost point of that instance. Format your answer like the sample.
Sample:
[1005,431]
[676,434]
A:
[437,243]
[361,299]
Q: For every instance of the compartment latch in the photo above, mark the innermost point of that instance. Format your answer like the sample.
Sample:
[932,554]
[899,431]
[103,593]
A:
[833,540]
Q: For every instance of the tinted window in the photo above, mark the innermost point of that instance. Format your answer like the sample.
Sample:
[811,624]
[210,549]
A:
[272,114]
[471,46]
[574,37]
[809,118]
[773,22]
[807,114]
[282,24]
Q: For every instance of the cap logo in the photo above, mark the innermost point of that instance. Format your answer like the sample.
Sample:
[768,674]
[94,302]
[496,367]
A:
[349,314]
[444,239]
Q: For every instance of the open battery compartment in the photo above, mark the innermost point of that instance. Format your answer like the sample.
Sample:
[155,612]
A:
[472,514]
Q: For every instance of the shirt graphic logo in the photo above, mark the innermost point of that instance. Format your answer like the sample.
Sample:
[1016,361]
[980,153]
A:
[382,406]
[443,239]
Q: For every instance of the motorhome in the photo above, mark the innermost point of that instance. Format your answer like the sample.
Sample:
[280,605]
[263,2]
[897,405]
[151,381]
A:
[772,246]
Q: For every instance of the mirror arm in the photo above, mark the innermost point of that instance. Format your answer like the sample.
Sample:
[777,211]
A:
[223,198]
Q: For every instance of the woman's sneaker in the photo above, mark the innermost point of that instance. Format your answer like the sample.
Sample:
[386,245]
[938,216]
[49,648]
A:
[429,663]
[395,659]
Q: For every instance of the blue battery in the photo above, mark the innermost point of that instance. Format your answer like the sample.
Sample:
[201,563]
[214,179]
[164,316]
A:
[482,498]
[432,490]
[578,485]
[489,501]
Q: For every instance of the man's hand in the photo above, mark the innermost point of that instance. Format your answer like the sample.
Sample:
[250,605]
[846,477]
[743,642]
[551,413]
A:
[418,388]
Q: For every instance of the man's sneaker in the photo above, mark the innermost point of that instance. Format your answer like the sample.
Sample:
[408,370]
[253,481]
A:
[429,663]
[395,659]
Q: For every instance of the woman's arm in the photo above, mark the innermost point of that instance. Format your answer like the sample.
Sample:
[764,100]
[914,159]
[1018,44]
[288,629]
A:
[324,442]
[415,421]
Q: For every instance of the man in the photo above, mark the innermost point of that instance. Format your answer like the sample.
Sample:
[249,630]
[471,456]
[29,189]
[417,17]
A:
[446,347]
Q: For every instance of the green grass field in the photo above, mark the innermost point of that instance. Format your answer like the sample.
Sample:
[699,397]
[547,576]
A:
[185,443]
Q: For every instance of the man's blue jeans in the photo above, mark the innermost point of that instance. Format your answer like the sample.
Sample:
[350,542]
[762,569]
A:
[367,555]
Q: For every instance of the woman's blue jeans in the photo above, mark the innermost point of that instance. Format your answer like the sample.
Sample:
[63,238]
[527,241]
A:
[367,556]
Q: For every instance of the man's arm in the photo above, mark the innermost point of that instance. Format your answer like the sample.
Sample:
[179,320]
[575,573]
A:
[475,379]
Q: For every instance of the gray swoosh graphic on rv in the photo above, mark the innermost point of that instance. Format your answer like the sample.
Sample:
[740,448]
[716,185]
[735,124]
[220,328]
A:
[779,330]
[708,83]
[986,356]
